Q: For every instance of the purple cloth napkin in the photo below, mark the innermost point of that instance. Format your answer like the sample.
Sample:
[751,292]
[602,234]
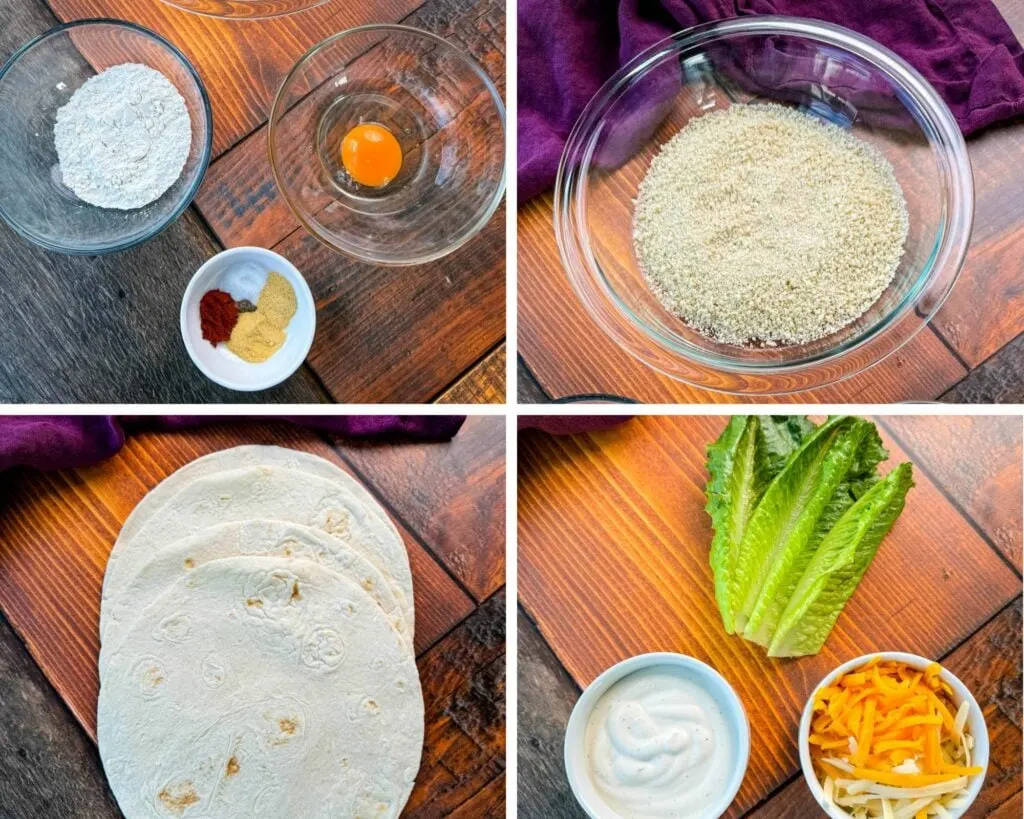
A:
[568,48]
[570,424]
[67,441]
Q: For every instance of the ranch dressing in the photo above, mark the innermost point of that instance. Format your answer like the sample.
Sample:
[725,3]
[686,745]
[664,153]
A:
[657,745]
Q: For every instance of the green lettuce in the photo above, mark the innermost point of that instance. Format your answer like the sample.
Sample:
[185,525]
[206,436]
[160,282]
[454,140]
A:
[856,456]
[838,566]
[788,512]
[742,462]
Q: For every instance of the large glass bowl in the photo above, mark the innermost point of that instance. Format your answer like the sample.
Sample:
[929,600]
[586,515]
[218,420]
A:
[449,121]
[38,80]
[823,70]
[244,9]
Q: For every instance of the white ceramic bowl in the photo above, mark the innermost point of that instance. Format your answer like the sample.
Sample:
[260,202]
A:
[975,727]
[221,365]
[704,675]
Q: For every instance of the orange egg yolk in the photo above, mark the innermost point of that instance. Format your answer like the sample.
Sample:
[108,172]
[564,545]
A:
[371,155]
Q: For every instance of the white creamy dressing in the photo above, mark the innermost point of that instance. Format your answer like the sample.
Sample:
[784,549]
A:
[657,745]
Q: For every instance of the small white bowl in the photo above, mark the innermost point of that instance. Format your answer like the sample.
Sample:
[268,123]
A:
[582,785]
[975,726]
[221,365]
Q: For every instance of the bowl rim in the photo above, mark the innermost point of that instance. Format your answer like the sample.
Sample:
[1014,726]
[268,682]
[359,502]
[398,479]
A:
[204,161]
[584,706]
[305,293]
[917,661]
[177,4]
[603,305]
[492,90]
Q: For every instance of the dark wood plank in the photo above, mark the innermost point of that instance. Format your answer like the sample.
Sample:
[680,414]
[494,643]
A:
[464,695]
[401,335]
[242,62]
[630,500]
[1000,380]
[977,461]
[545,701]
[484,384]
[451,494]
[570,355]
[529,390]
[48,768]
[56,530]
[989,665]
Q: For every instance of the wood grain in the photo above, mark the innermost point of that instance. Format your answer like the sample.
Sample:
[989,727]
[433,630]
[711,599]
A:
[464,696]
[1000,380]
[988,664]
[977,461]
[241,62]
[48,768]
[529,390]
[57,529]
[613,562]
[451,495]
[570,355]
[483,384]
[546,697]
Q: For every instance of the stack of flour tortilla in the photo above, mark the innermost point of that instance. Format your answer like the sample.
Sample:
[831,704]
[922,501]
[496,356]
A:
[257,659]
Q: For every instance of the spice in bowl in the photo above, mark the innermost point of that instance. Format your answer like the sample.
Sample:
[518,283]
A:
[253,331]
[888,740]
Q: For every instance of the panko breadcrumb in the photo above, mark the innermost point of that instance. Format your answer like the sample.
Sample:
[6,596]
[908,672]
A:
[762,224]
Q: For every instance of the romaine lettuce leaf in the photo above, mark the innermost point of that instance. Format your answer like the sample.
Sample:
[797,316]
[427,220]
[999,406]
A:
[838,566]
[789,510]
[748,454]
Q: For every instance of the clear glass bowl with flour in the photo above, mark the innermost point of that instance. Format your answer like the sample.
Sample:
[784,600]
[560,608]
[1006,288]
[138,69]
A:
[822,74]
[58,88]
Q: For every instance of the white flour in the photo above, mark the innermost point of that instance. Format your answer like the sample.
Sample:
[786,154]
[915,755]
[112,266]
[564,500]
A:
[123,137]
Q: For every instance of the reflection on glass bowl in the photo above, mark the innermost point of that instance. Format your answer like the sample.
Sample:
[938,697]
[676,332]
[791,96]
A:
[820,69]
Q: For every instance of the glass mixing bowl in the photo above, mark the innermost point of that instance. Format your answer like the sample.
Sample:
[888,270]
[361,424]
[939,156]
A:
[247,9]
[38,80]
[450,124]
[823,70]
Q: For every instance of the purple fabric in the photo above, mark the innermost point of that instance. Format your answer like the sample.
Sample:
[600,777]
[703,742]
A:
[67,441]
[570,424]
[568,48]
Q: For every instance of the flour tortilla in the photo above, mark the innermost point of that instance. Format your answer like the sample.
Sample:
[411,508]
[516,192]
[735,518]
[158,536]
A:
[272,493]
[236,458]
[256,686]
[255,537]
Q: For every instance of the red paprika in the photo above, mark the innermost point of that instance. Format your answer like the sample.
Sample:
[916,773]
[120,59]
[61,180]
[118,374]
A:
[218,315]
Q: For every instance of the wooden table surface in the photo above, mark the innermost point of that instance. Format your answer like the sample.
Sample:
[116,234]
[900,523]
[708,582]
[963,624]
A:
[613,542]
[972,352]
[56,530]
[105,329]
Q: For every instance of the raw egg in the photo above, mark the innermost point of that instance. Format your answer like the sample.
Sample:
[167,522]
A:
[371,155]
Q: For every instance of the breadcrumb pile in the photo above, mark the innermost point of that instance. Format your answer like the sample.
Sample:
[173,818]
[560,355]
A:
[759,224]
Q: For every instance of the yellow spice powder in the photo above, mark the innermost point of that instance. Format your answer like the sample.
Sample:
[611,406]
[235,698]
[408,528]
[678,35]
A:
[260,334]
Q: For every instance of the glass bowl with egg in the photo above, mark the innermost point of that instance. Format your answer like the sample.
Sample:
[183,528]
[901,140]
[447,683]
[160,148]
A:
[388,144]
[658,734]
[40,80]
[719,304]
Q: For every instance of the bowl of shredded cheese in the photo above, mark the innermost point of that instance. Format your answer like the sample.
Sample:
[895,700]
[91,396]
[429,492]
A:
[764,205]
[895,736]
